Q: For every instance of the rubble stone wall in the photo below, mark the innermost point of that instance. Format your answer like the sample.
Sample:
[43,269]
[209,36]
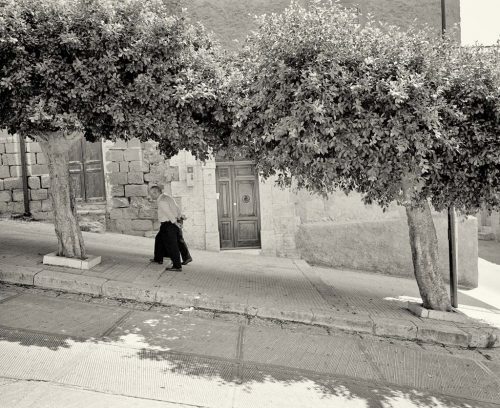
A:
[131,168]
[11,182]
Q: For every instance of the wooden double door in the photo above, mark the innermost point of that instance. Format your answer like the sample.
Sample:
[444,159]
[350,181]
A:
[86,171]
[238,205]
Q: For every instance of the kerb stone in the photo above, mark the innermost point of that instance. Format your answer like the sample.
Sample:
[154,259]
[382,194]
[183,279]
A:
[352,323]
[443,334]
[394,328]
[23,275]
[69,282]
[126,290]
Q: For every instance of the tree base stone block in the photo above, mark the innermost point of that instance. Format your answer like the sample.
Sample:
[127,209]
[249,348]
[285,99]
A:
[54,259]
[456,316]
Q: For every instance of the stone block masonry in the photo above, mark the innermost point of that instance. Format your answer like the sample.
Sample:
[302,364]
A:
[132,168]
[128,177]
[11,182]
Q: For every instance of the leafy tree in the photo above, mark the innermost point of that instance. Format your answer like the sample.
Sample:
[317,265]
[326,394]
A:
[103,69]
[399,116]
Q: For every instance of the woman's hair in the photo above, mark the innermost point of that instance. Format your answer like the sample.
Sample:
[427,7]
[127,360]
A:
[155,188]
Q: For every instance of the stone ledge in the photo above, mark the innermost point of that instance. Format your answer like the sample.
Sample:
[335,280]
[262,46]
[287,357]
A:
[455,316]
[69,282]
[55,260]
[403,329]
[140,292]
[472,334]
[444,334]
[23,275]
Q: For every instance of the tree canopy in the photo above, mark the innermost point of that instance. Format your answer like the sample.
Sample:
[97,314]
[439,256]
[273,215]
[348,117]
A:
[399,116]
[107,69]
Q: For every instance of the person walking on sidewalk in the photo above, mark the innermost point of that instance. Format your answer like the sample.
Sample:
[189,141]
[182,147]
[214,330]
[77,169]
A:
[169,239]
[185,255]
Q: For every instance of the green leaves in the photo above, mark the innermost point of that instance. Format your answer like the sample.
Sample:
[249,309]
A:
[109,68]
[333,105]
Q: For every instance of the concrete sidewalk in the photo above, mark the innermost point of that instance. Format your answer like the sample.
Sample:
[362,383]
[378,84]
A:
[256,286]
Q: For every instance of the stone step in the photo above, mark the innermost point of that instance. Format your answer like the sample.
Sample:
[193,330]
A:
[486,236]
[92,216]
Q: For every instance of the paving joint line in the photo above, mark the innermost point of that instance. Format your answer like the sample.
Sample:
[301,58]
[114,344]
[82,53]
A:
[110,330]
[372,364]
[10,298]
[234,312]
[259,365]
[74,387]
[316,286]
[485,368]
[58,336]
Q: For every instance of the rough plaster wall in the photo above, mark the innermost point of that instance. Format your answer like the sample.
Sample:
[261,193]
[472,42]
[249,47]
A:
[233,19]
[358,245]
[340,208]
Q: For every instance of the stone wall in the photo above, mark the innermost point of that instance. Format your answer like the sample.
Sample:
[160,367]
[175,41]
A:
[11,182]
[279,220]
[132,167]
[384,247]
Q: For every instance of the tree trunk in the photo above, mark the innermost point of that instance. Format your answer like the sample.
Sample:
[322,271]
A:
[425,254]
[56,147]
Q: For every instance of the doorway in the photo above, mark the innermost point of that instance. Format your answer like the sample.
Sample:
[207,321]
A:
[238,205]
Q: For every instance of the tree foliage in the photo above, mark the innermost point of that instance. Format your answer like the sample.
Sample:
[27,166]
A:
[399,116]
[108,69]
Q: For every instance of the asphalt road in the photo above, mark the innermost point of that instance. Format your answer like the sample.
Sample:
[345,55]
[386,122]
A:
[63,350]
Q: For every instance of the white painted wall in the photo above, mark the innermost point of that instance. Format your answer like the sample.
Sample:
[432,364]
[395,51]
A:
[480,21]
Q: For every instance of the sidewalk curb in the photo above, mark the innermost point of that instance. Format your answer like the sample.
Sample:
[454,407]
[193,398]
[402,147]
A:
[468,333]
[456,334]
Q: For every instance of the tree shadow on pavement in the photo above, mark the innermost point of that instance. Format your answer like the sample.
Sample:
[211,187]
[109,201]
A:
[255,377]
[49,341]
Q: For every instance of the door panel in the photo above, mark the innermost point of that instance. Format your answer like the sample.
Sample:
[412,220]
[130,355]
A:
[245,199]
[247,234]
[238,209]
[94,172]
[86,171]
[225,200]
[226,234]
[225,207]
[76,170]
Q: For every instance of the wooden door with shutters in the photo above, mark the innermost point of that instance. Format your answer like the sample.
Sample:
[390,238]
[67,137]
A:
[238,205]
[87,172]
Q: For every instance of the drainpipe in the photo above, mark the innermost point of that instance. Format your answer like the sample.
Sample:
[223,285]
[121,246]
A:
[452,221]
[24,170]
[453,255]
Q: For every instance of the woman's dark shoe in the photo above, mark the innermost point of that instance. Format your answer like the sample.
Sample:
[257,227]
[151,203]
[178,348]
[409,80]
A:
[154,261]
[171,268]
[187,261]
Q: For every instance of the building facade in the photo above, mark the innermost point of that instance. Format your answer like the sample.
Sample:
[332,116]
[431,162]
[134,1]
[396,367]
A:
[227,204]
